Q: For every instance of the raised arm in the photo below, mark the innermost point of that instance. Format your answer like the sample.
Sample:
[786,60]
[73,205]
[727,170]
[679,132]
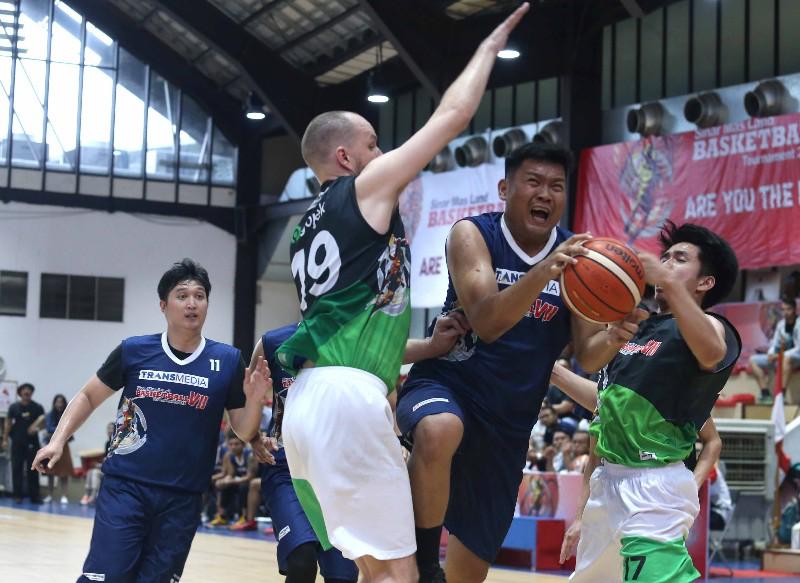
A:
[704,334]
[491,312]
[573,534]
[379,185]
[77,412]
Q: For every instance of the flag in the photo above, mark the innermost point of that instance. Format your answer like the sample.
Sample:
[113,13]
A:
[778,417]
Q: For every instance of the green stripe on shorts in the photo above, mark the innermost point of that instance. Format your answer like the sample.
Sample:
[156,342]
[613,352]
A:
[310,504]
[652,561]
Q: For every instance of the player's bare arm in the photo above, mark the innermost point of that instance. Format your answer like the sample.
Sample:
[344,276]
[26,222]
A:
[704,334]
[446,331]
[579,389]
[573,534]
[378,187]
[257,383]
[712,447]
[93,393]
[595,345]
[491,312]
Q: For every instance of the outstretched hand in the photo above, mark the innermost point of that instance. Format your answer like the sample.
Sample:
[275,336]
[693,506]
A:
[50,453]
[498,38]
[257,380]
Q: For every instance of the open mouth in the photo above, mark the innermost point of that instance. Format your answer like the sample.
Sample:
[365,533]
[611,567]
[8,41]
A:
[540,215]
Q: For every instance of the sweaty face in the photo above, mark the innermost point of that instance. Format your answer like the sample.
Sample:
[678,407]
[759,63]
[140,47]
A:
[683,261]
[186,306]
[535,196]
[363,145]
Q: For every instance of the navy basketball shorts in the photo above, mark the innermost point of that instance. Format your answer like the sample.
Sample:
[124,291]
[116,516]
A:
[141,534]
[486,470]
[291,526]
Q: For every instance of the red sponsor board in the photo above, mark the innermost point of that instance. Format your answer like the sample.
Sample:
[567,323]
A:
[741,180]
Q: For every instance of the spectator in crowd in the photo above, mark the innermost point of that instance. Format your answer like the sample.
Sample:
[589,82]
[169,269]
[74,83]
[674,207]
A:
[580,450]
[94,474]
[237,471]
[787,335]
[25,418]
[565,407]
[720,499]
[63,469]
[546,426]
[559,454]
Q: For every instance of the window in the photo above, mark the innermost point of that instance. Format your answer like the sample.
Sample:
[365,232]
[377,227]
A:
[81,297]
[13,293]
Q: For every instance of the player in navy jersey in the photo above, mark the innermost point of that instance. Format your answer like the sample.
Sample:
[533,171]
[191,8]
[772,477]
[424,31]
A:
[299,549]
[175,388]
[470,413]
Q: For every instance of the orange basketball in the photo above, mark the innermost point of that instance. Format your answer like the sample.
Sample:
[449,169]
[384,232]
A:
[604,285]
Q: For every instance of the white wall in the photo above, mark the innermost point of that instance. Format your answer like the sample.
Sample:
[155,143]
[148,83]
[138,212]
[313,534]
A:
[277,306]
[58,356]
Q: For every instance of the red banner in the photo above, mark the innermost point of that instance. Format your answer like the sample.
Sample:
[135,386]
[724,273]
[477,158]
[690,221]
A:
[740,180]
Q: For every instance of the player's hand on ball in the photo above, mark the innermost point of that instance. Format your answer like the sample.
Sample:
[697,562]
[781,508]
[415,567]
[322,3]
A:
[263,447]
[257,381]
[570,544]
[622,331]
[564,255]
[50,453]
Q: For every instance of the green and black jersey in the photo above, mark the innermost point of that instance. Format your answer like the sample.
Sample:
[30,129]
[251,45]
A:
[353,286]
[654,397]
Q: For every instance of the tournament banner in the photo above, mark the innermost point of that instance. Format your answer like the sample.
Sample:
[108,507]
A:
[741,180]
[430,205]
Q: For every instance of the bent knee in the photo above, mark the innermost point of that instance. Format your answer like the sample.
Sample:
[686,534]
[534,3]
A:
[437,436]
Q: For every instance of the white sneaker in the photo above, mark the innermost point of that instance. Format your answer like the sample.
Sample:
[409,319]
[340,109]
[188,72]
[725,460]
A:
[64,500]
[47,499]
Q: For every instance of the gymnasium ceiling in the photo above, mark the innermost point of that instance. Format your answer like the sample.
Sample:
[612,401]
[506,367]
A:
[299,57]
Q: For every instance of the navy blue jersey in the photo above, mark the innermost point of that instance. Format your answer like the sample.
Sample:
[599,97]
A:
[505,381]
[170,411]
[240,464]
[281,380]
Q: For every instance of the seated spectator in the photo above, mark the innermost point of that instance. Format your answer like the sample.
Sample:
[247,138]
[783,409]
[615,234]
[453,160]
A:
[238,469]
[559,454]
[580,450]
[94,475]
[720,499]
[549,423]
[562,404]
[787,334]
[63,468]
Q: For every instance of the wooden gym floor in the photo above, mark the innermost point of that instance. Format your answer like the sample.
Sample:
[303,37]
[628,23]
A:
[40,547]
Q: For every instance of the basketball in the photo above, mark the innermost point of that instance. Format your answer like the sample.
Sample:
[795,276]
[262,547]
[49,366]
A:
[604,285]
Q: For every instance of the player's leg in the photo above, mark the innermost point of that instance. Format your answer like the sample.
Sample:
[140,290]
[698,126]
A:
[121,522]
[175,521]
[759,365]
[429,413]
[353,485]
[662,506]
[598,557]
[297,543]
[486,473]
[253,501]
[334,568]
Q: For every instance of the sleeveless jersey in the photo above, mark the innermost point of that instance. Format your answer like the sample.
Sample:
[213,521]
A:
[505,381]
[170,411]
[353,286]
[281,380]
[654,397]
[240,465]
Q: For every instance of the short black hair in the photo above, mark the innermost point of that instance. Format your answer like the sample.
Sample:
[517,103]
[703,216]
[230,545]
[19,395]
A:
[540,151]
[789,301]
[185,270]
[717,257]
[24,386]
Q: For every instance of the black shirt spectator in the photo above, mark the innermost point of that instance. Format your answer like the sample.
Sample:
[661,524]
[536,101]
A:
[21,418]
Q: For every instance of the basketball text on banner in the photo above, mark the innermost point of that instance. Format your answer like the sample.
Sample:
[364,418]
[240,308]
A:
[741,180]
[430,206]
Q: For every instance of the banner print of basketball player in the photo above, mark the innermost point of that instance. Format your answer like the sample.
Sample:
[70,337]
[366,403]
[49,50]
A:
[175,388]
